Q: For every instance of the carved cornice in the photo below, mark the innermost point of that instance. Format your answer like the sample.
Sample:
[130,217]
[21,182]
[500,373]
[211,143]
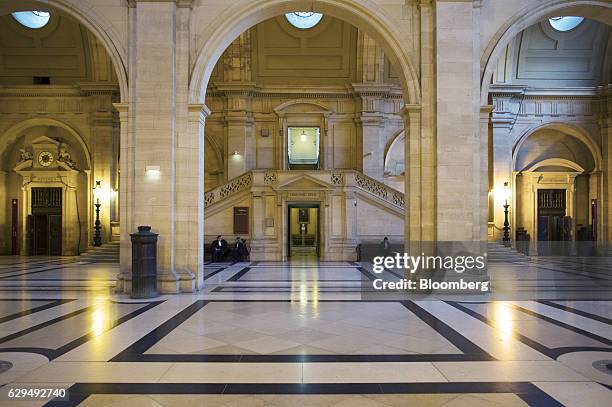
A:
[242,89]
[59,91]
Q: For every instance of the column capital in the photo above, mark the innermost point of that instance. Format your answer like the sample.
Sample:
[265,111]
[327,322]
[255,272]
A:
[199,108]
[410,111]
[121,107]
[485,112]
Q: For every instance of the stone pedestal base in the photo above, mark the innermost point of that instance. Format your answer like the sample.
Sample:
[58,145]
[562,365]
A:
[169,283]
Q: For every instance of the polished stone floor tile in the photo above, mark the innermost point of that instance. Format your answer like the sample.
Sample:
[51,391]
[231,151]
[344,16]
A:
[298,327]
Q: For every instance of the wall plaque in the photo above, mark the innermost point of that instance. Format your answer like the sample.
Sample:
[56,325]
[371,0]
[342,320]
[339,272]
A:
[241,220]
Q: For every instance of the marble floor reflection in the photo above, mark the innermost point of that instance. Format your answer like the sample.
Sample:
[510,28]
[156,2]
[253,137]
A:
[307,334]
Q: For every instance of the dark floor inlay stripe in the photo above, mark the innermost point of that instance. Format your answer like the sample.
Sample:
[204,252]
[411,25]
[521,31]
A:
[30,311]
[577,311]
[528,392]
[553,321]
[136,350]
[459,341]
[239,274]
[44,324]
[552,353]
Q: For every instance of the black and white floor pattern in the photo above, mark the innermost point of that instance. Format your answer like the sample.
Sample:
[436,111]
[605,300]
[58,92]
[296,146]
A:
[288,334]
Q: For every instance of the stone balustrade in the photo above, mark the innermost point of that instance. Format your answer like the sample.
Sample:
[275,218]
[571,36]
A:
[345,179]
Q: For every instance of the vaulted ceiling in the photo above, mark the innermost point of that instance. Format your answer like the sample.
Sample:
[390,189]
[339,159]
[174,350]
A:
[541,56]
[63,50]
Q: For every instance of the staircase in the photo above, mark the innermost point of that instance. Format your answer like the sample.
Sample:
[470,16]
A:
[498,253]
[107,253]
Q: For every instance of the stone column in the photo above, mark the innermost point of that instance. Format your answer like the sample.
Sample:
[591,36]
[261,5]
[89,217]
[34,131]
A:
[595,192]
[370,71]
[502,121]
[372,122]
[114,173]
[189,167]
[412,179]
[420,140]
[372,125]
[605,124]
[154,102]
[484,131]
[102,126]
[189,221]
[5,216]
[126,200]
[459,194]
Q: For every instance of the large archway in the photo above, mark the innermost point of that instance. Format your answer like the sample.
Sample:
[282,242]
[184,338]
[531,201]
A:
[80,63]
[258,13]
[518,83]
[243,15]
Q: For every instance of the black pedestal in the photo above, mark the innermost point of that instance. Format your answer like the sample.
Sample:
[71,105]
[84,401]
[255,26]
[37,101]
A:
[144,263]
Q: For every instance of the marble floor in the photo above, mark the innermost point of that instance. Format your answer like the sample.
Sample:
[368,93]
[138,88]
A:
[306,334]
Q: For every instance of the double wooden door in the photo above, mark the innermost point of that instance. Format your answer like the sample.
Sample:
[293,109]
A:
[553,225]
[45,227]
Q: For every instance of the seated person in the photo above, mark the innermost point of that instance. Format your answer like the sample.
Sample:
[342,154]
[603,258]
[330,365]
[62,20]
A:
[238,250]
[218,248]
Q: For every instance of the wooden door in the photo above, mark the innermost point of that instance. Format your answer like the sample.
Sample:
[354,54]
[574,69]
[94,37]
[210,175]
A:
[41,235]
[47,221]
[55,235]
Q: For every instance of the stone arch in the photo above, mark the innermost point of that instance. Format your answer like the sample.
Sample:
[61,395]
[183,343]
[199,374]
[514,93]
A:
[11,135]
[570,129]
[599,10]
[556,162]
[94,22]
[245,14]
[392,140]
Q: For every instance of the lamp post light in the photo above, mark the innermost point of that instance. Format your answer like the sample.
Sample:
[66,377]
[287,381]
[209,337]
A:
[506,229]
[97,240]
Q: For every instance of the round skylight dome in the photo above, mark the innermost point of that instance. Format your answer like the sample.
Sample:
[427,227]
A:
[32,19]
[565,23]
[304,19]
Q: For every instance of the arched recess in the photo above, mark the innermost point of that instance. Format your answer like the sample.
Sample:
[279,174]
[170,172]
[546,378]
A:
[93,21]
[72,176]
[566,128]
[11,135]
[363,14]
[599,10]
[560,157]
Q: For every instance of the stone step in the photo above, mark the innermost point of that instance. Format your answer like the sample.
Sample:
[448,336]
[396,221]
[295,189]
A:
[107,253]
[498,253]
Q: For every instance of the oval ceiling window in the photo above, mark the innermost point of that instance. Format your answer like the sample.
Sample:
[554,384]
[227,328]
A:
[565,23]
[32,19]
[304,19]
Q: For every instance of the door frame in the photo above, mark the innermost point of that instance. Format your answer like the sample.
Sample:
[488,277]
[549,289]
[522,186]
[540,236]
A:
[66,180]
[291,205]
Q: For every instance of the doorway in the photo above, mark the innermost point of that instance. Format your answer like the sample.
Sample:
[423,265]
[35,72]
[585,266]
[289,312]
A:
[553,225]
[46,222]
[303,230]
